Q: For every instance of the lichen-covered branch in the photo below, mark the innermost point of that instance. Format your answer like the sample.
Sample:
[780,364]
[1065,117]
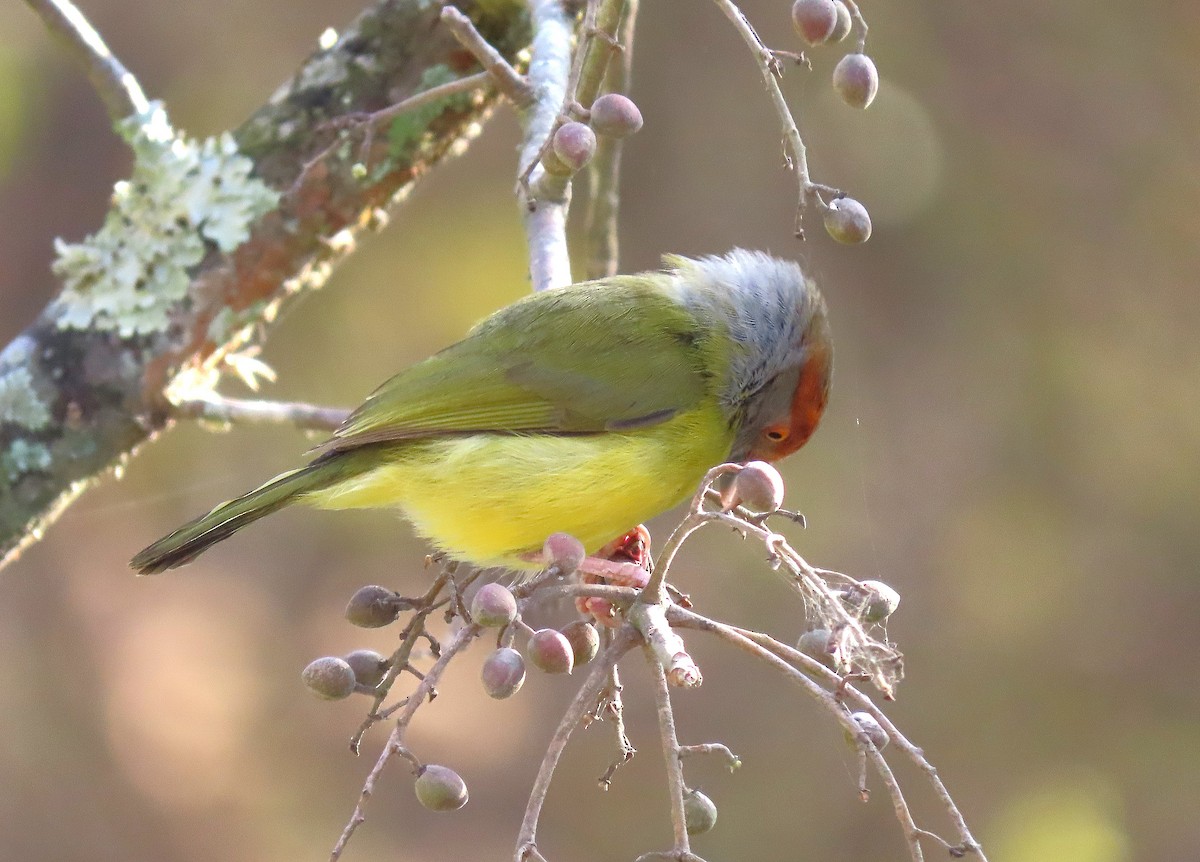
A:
[87,382]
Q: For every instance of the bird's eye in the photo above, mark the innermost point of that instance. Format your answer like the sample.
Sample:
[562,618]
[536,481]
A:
[777,435]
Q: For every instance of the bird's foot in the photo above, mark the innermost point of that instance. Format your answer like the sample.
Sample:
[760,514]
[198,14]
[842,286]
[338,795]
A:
[623,562]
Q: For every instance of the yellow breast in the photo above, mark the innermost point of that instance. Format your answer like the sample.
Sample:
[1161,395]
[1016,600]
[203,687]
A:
[492,499]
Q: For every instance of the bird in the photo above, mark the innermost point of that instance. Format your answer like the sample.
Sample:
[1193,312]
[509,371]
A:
[585,409]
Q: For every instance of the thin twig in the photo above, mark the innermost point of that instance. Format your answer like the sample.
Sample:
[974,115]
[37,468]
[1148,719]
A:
[833,704]
[507,79]
[369,122]
[623,640]
[425,606]
[690,524]
[878,659]
[602,241]
[712,748]
[252,411]
[116,85]
[858,19]
[429,97]
[395,741]
[767,68]
[598,43]
[670,748]
[615,707]
[967,842]
[911,833]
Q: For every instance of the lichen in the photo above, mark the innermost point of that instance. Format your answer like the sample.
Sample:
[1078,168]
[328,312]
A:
[20,403]
[24,456]
[182,197]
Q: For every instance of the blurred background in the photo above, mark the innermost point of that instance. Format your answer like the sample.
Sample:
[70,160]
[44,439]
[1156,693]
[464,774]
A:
[1013,443]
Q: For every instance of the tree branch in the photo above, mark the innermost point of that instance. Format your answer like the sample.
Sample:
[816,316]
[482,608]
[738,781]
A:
[624,639]
[77,400]
[252,411]
[545,210]
[602,248]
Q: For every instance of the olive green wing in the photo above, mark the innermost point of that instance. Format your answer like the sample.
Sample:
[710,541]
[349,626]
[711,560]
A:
[581,360]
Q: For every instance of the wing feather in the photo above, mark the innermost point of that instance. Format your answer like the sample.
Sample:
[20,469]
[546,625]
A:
[620,354]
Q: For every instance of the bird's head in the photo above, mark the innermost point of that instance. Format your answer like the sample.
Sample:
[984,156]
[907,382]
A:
[781,359]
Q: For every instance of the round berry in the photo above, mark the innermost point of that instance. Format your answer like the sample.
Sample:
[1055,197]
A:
[574,144]
[329,678]
[615,115]
[759,487]
[814,20]
[493,606]
[879,602]
[584,641]
[842,28]
[871,728]
[503,673]
[563,551]
[440,788]
[369,666]
[549,651]
[848,221]
[856,80]
[699,812]
[372,607]
[816,644]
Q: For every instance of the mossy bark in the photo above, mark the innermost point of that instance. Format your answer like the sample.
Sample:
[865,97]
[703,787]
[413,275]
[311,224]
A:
[77,402]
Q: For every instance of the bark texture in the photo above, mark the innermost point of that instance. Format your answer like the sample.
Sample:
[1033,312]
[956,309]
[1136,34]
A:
[77,402]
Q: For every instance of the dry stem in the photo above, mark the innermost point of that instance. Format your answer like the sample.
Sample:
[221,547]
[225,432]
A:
[395,741]
[622,641]
[670,748]
[506,78]
[116,85]
[253,411]
[602,245]
[769,68]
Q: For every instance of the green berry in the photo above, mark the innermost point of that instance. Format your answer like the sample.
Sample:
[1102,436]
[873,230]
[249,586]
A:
[816,644]
[440,788]
[848,221]
[873,601]
[699,812]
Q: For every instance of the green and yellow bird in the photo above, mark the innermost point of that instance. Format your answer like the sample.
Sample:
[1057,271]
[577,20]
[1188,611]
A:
[585,410]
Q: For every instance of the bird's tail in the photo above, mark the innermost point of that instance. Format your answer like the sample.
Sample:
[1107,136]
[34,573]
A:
[196,537]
